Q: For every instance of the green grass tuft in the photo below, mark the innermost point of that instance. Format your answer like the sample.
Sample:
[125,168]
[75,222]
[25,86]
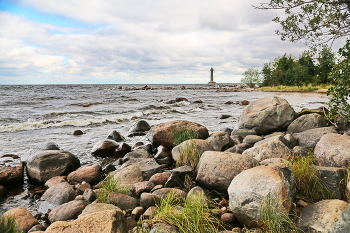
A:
[8,225]
[189,155]
[182,134]
[273,218]
[110,184]
[309,185]
[192,216]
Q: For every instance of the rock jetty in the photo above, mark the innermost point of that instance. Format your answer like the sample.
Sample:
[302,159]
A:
[240,168]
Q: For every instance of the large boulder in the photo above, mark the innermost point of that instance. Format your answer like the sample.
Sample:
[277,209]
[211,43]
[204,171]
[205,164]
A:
[97,207]
[68,211]
[249,189]
[51,163]
[217,169]
[89,173]
[333,178]
[22,217]
[136,154]
[11,171]
[56,195]
[309,138]
[140,126]
[128,175]
[220,141]
[148,166]
[104,148]
[306,122]
[161,134]
[200,146]
[267,115]
[326,216]
[108,221]
[333,150]
[270,149]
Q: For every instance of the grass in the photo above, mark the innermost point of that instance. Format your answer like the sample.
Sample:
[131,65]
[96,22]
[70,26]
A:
[8,225]
[182,134]
[294,88]
[189,155]
[309,185]
[193,215]
[273,218]
[110,184]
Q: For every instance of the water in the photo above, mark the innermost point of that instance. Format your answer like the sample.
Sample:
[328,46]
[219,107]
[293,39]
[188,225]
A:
[33,115]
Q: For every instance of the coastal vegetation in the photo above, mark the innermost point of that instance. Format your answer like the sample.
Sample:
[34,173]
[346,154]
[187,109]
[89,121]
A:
[109,185]
[182,134]
[8,225]
[189,155]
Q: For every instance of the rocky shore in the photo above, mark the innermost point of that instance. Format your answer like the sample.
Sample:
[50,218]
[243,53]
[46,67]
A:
[243,166]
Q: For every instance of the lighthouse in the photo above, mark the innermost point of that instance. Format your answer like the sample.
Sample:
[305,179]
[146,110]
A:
[211,77]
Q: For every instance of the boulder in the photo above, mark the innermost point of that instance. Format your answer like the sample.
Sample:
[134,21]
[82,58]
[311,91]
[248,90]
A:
[97,207]
[160,178]
[55,180]
[270,149]
[164,228]
[249,189]
[148,166]
[128,175]
[243,132]
[252,139]
[220,141]
[333,177]
[267,115]
[140,126]
[300,151]
[200,145]
[309,138]
[104,148]
[56,195]
[273,138]
[325,216]
[89,173]
[239,148]
[123,201]
[179,176]
[22,217]
[333,150]
[161,193]
[137,154]
[122,150]
[140,187]
[48,164]
[11,171]
[148,199]
[163,156]
[161,134]
[108,221]
[67,211]
[115,136]
[217,169]
[306,122]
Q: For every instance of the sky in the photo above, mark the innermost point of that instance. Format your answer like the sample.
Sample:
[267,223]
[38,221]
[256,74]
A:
[135,41]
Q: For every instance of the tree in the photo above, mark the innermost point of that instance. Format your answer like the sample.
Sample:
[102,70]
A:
[252,77]
[315,21]
[326,60]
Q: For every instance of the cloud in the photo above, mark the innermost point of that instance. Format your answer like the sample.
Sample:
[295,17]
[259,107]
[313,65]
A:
[137,41]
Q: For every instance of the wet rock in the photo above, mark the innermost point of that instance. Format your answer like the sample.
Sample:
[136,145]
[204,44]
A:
[244,102]
[239,148]
[89,173]
[306,122]
[181,99]
[217,169]
[55,180]
[104,148]
[122,150]
[271,149]
[22,217]
[140,187]
[225,116]
[109,221]
[115,136]
[51,146]
[137,154]
[160,178]
[325,216]
[140,126]
[199,144]
[333,150]
[123,201]
[309,138]
[228,102]
[161,134]
[78,132]
[178,177]
[198,101]
[67,211]
[220,141]
[48,164]
[11,172]
[56,195]
[251,187]
[266,115]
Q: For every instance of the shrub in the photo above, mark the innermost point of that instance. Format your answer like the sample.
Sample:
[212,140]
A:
[273,218]
[182,134]
[192,216]
[110,184]
[189,155]
[308,182]
[8,225]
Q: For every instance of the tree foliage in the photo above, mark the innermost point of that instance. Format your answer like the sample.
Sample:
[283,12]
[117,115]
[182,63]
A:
[315,21]
[252,77]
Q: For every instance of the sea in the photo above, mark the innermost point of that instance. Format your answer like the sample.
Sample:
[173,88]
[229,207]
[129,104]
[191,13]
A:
[33,115]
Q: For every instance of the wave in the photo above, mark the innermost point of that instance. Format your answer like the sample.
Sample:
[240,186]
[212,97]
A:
[32,124]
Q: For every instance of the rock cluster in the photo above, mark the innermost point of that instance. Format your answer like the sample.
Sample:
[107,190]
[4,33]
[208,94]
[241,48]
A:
[245,166]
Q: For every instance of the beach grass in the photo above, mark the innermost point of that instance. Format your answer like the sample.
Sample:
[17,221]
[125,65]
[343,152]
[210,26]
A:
[109,185]
[281,88]
[189,155]
[182,134]
[8,225]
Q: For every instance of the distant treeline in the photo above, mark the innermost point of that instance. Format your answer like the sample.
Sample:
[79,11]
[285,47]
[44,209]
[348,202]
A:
[309,68]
